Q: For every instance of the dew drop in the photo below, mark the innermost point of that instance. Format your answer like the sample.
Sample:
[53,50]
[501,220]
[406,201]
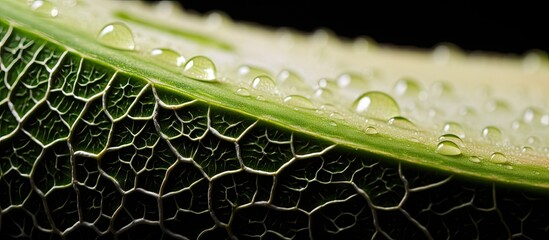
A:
[247,72]
[44,8]
[454,128]
[290,81]
[532,115]
[351,80]
[401,122]
[336,115]
[167,56]
[448,148]
[498,158]
[323,94]
[498,106]
[474,159]
[407,87]
[327,83]
[299,102]
[492,134]
[451,137]
[264,83]
[376,104]
[200,68]
[116,35]
[242,92]
[526,150]
[371,130]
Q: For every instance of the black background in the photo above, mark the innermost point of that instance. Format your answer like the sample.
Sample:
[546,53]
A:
[514,27]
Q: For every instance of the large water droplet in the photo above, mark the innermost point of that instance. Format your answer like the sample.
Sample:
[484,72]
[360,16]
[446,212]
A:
[376,104]
[498,158]
[167,56]
[200,68]
[451,137]
[117,35]
[492,134]
[448,148]
[44,8]
[242,92]
[299,102]
[401,122]
[453,128]
[264,83]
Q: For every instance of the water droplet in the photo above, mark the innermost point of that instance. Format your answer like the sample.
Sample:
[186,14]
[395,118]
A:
[44,8]
[264,83]
[247,72]
[474,159]
[290,81]
[116,35]
[351,80]
[440,89]
[448,148]
[453,128]
[299,102]
[327,83]
[371,130]
[498,106]
[498,158]
[492,134]
[401,122]
[336,115]
[376,104]
[526,150]
[200,68]
[532,115]
[323,94]
[242,92]
[167,56]
[533,60]
[451,137]
[534,141]
[407,87]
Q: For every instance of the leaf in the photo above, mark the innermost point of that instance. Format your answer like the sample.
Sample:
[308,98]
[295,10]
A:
[98,138]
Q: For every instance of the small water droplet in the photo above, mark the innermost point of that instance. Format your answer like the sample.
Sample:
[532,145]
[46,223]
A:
[407,87]
[299,102]
[401,122]
[167,56]
[498,106]
[451,137]
[247,72]
[448,148]
[323,94]
[327,83]
[441,89]
[454,128]
[371,130]
[376,104]
[492,134]
[336,115]
[116,35]
[474,159]
[200,68]
[498,158]
[44,8]
[333,124]
[532,115]
[242,92]
[526,150]
[265,84]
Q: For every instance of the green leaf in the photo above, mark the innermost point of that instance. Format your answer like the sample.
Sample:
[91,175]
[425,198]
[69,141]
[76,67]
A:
[99,138]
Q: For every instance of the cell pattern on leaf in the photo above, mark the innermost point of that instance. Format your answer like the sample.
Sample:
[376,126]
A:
[89,151]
